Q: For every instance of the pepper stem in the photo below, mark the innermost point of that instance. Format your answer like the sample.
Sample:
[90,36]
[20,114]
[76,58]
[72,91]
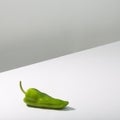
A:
[20,83]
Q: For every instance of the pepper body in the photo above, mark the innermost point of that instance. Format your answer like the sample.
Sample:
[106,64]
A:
[36,98]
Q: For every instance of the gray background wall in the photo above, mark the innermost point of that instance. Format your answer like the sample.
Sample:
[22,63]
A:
[35,30]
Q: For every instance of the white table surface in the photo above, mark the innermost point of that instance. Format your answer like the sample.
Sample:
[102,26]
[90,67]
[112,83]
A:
[89,80]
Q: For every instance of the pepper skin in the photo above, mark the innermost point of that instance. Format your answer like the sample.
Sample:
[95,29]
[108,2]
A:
[35,98]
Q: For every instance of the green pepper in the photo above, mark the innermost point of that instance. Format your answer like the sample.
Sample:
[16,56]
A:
[36,98]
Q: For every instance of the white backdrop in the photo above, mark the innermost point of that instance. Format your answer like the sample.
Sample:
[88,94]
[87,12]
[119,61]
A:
[37,30]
